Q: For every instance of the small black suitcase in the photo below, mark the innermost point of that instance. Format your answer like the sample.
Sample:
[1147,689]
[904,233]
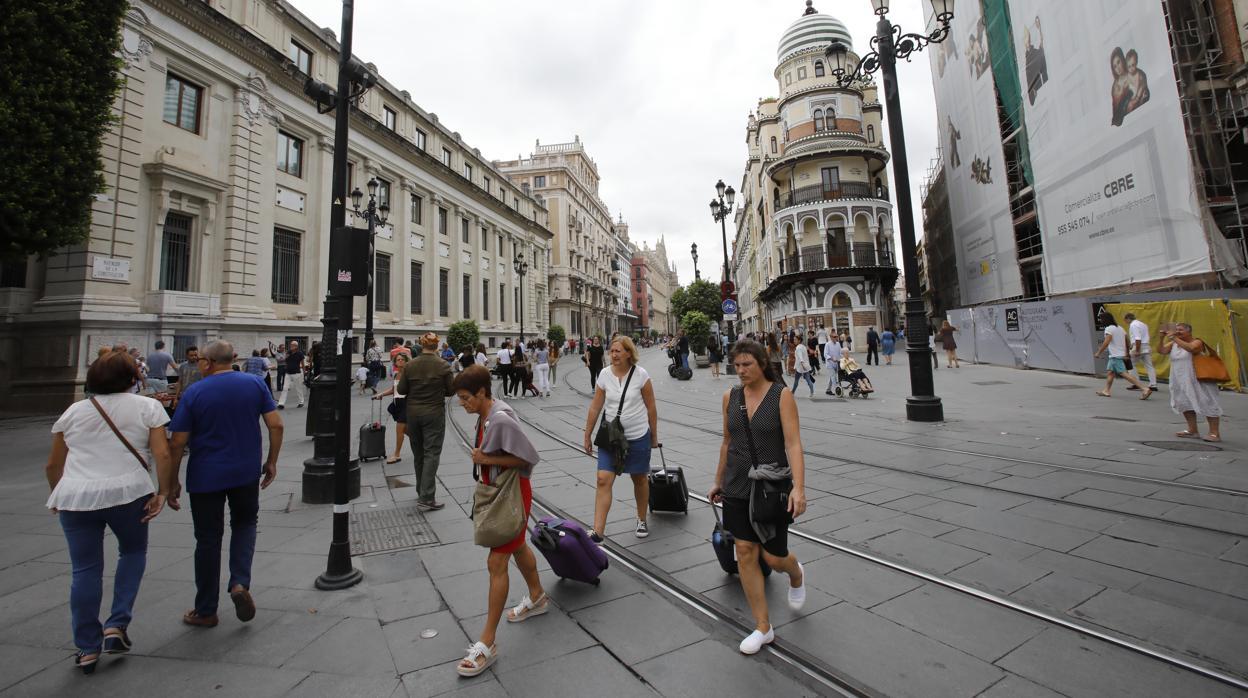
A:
[373,436]
[668,490]
[726,548]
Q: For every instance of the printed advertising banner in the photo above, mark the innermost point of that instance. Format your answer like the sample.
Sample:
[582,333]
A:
[1114,189]
[970,137]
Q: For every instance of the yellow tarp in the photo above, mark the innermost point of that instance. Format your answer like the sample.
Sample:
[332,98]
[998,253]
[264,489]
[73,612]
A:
[1213,321]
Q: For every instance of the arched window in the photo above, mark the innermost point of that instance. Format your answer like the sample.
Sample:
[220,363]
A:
[831,119]
[870,133]
[775,198]
[773,144]
[818,120]
[818,69]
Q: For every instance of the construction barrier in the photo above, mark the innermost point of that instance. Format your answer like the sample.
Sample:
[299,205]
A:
[1220,323]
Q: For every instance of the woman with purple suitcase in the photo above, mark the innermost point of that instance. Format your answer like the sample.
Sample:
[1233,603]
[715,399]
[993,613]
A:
[500,443]
[761,434]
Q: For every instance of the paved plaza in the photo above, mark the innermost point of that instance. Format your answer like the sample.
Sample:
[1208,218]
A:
[1003,498]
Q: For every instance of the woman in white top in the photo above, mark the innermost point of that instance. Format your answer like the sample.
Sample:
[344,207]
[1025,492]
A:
[541,368]
[99,477]
[1190,396]
[1116,343]
[640,419]
[801,366]
[398,408]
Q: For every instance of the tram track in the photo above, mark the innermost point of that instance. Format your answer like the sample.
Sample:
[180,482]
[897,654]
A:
[658,575]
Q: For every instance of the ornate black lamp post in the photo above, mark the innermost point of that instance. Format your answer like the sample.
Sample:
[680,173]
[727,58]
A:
[521,268]
[890,44]
[693,250]
[375,215]
[721,208]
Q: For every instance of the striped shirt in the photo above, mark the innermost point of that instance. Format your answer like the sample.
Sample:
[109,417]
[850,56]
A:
[768,439]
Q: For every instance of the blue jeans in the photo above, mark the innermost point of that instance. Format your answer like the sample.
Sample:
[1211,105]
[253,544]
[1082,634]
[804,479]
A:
[84,531]
[798,376]
[684,359]
[208,515]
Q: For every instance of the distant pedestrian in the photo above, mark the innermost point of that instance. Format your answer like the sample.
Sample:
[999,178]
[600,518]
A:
[294,373]
[362,377]
[821,338]
[158,364]
[715,356]
[1190,396]
[219,420]
[479,357]
[541,368]
[426,383]
[1140,349]
[593,356]
[1116,344]
[812,343]
[931,346]
[102,448]
[801,367]
[888,342]
[257,366]
[624,389]
[832,353]
[504,366]
[761,431]
[682,348]
[397,409]
[521,372]
[279,357]
[948,343]
[775,356]
[188,373]
[269,365]
[555,353]
[376,369]
[873,346]
[500,443]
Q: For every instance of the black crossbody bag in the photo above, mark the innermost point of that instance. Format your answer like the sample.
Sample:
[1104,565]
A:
[610,436]
[769,499]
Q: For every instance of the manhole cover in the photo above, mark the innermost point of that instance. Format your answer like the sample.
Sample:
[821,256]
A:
[1182,445]
[389,529]
[991,382]
[1116,419]
[1065,387]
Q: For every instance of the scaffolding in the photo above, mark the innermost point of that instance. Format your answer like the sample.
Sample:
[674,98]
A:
[1215,115]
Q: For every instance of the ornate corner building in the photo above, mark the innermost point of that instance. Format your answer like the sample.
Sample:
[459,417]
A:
[814,237]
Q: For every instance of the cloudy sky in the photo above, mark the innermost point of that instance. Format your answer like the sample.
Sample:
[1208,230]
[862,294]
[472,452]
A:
[658,90]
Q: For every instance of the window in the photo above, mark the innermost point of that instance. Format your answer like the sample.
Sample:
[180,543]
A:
[442,215]
[818,120]
[818,69]
[485,184]
[417,282]
[831,119]
[285,266]
[539,181]
[289,154]
[446,157]
[788,79]
[420,139]
[381,282]
[390,117]
[801,73]
[773,144]
[175,253]
[350,176]
[870,133]
[383,193]
[467,172]
[485,240]
[515,301]
[301,56]
[500,244]
[418,209]
[13,274]
[466,309]
[182,99]
[485,299]
[502,302]
[444,292]
[463,230]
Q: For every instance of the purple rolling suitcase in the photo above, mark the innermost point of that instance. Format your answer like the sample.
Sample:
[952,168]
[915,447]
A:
[568,549]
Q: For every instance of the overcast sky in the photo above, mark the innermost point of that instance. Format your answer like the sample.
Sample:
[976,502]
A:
[658,90]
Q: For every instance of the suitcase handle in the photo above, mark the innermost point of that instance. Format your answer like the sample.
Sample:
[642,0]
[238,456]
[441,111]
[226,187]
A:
[663,458]
[377,405]
[715,510]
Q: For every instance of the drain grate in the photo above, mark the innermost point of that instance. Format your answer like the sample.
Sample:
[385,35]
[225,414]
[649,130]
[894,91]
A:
[1182,445]
[1116,419]
[1066,387]
[390,529]
[990,382]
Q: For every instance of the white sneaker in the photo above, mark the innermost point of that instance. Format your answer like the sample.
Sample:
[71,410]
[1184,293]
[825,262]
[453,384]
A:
[642,529]
[797,597]
[755,641]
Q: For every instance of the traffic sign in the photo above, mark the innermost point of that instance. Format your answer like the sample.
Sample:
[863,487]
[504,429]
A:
[726,289]
[729,306]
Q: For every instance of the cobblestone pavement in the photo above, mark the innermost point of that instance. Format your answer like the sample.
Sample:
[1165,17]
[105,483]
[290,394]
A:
[1034,489]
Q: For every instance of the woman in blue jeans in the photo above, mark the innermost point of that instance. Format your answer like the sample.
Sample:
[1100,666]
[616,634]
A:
[102,449]
[623,389]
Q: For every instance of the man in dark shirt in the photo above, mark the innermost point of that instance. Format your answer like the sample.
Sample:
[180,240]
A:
[873,346]
[682,348]
[219,419]
[294,370]
[593,358]
[426,381]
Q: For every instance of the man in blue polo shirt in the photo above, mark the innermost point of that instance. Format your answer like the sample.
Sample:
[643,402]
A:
[219,418]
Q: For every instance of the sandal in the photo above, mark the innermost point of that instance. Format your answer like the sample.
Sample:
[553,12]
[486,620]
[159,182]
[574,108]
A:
[86,661]
[1147,394]
[527,609]
[393,460]
[469,665]
[117,641]
[1211,438]
[1185,434]
[1102,393]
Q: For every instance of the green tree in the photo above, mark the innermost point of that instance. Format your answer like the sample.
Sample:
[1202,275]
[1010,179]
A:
[464,333]
[697,327]
[59,73]
[702,296]
[556,336]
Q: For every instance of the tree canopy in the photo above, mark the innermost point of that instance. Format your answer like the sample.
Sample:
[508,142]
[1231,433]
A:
[556,335]
[697,327]
[702,296]
[464,333]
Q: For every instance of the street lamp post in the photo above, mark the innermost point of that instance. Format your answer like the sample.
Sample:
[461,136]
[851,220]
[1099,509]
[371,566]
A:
[521,268]
[375,215]
[890,44]
[693,250]
[721,208]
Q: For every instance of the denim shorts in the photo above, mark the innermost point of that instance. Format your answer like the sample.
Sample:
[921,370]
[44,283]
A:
[637,462]
[1116,365]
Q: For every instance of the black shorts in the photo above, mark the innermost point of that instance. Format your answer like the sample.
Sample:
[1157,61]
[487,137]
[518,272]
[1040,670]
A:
[737,521]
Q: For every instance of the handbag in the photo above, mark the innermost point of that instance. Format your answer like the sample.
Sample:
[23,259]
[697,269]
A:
[1209,367]
[497,508]
[121,436]
[769,499]
[610,436]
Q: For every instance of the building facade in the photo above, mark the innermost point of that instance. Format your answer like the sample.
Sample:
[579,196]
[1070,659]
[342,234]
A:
[938,265]
[816,225]
[585,295]
[658,281]
[215,222]
[628,321]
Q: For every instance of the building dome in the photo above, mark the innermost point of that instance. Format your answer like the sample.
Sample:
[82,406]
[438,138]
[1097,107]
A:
[812,30]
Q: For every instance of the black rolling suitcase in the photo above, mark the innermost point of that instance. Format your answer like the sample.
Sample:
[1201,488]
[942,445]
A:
[373,436]
[726,547]
[668,491]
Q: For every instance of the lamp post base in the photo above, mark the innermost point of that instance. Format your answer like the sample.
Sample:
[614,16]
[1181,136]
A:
[924,409]
[318,481]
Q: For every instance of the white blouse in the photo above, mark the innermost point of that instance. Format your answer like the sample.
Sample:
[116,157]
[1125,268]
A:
[634,417]
[100,472]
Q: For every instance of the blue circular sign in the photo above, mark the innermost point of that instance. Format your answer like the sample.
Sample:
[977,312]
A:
[729,306]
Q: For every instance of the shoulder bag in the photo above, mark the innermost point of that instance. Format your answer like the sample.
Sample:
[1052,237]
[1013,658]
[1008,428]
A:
[99,408]
[769,499]
[610,436]
[497,508]
[1208,366]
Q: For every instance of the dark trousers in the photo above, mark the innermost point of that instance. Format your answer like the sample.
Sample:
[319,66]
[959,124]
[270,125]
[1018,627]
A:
[873,351]
[593,377]
[426,433]
[208,516]
[281,378]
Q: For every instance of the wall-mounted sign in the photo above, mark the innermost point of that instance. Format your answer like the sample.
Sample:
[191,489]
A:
[110,269]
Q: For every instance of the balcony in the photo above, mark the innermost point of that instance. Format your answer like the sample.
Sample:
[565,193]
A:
[859,254]
[817,192]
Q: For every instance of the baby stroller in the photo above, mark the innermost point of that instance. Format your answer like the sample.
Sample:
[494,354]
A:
[851,381]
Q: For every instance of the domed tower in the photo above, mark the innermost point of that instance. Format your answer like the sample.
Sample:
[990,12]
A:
[818,211]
